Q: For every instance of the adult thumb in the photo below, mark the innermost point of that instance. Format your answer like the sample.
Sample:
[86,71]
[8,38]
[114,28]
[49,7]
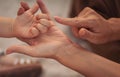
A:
[86,34]
[27,50]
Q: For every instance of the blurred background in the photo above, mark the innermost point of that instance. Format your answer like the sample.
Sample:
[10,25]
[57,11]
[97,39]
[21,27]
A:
[9,8]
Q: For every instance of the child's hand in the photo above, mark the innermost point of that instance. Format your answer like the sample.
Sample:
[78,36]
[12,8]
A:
[25,22]
[49,41]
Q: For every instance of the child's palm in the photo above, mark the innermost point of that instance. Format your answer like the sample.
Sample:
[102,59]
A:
[24,24]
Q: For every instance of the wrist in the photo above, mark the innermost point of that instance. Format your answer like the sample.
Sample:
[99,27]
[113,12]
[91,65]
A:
[9,32]
[12,32]
[68,55]
[63,50]
[6,27]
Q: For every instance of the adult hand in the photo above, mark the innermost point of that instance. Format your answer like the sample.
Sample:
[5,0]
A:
[90,26]
[49,41]
[52,43]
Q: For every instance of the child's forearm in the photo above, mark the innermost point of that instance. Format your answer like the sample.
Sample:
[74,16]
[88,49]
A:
[6,27]
[87,63]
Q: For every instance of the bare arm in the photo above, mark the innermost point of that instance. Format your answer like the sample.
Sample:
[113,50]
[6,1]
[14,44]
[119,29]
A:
[6,27]
[23,25]
[87,63]
[91,26]
[53,43]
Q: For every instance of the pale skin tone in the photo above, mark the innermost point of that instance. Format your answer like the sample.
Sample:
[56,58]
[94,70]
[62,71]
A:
[53,43]
[91,26]
[22,26]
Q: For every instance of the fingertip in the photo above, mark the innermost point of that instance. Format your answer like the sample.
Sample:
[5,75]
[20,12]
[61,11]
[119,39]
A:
[45,22]
[34,32]
[36,5]
[22,2]
[57,17]
[82,32]
[25,5]
[9,51]
[34,9]
[42,28]
[39,1]
[20,11]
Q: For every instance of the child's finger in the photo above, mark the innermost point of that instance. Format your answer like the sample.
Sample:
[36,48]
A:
[34,9]
[42,28]
[42,16]
[46,23]
[25,5]
[34,32]
[20,11]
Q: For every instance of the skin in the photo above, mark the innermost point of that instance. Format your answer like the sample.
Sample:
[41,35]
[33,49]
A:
[22,26]
[53,43]
[91,26]
[48,32]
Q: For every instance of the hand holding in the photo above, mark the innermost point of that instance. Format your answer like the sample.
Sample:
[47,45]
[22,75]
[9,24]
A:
[49,40]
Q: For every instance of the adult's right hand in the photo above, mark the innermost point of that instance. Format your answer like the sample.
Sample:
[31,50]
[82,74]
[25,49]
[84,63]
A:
[90,26]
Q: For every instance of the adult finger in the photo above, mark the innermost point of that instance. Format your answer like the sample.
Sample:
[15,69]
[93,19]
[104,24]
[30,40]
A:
[74,22]
[65,21]
[28,50]
[42,16]
[84,11]
[86,34]
[75,31]
[42,28]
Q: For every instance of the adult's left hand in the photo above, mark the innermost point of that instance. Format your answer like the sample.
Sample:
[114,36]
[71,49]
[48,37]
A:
[48,43]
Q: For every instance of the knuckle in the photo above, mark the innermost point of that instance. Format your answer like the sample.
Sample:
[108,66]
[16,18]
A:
[77,21]
[52,23]
[87,8]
